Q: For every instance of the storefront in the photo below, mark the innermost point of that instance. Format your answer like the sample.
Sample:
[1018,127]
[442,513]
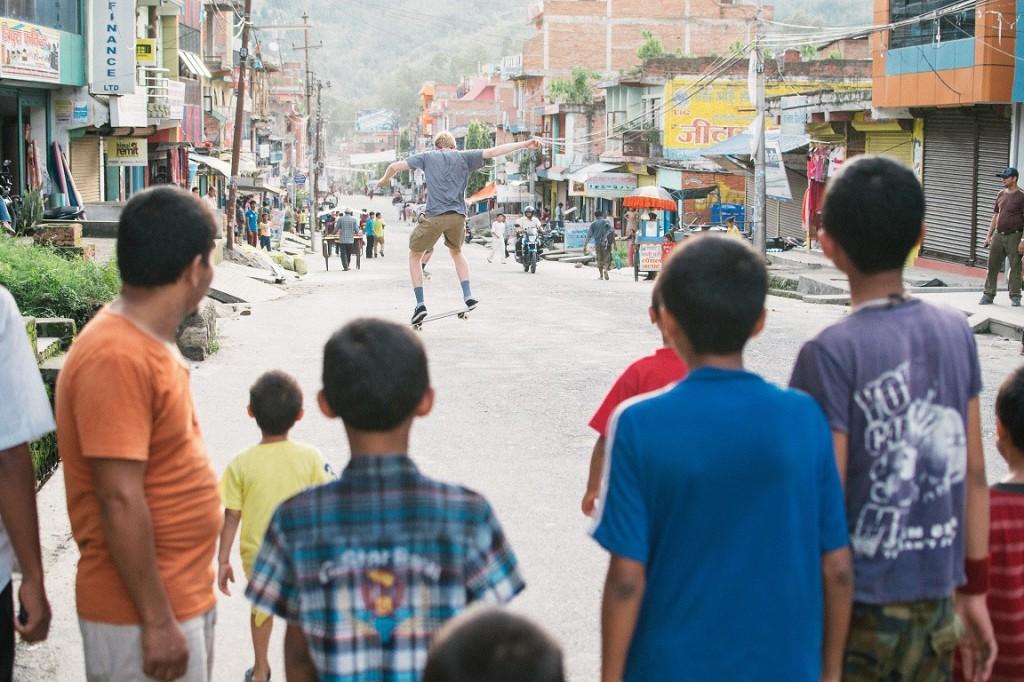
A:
[25,135]
[963,151]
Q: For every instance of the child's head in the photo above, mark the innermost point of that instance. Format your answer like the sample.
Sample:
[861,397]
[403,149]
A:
[377,215]
[375,376]
[873,215]
[275,402]
[1010,418]
[712,291]
[489,644]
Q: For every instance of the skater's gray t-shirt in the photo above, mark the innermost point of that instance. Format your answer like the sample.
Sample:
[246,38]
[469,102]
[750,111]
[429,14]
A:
[447,172]
[897,379]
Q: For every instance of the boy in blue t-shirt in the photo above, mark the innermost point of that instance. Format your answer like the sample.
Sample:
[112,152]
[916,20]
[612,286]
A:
[729,557]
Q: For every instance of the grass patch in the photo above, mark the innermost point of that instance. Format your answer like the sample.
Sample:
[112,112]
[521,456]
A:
[48,284]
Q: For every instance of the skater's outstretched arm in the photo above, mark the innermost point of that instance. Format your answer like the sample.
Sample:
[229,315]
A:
[393,170]
[502,150]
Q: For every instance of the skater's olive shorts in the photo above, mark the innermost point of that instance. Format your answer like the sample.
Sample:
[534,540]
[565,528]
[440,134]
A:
[430,229]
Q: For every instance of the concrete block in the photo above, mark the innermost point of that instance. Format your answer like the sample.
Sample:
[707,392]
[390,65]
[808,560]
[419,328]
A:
[300,266]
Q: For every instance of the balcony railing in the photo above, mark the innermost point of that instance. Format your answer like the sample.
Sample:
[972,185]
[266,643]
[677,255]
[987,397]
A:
[155,83]
[511,66]
[635,143]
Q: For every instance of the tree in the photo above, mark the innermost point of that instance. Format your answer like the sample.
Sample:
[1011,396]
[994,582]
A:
[404,147]
[577,89]
[651,48]
[478,136]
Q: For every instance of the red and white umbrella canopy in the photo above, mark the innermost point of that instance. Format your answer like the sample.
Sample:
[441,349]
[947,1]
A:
[650,197]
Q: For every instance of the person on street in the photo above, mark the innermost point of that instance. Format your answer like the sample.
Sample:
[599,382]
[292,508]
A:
[371,221]
[265,231]
[141,494]
[358,244]
[256,482]
[646,375]
[526,224]
[347,228]
[899,380]
[252,219]
[498,239]
[693,506]
[602,234]
[211,198]
[25,417]
[378,235]
[385,553]
[447,172]
[560,215]
[1004,238]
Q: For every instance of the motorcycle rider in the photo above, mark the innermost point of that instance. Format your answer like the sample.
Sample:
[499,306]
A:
[528,224]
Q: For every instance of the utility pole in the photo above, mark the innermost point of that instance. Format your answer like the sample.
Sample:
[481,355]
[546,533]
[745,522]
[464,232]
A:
[316,148]
[306,47]
[760,224]
[236,146]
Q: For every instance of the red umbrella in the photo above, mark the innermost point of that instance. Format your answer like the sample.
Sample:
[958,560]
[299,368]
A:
[650,197]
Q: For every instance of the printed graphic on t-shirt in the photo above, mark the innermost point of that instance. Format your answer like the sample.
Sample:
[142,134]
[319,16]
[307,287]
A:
[918,451]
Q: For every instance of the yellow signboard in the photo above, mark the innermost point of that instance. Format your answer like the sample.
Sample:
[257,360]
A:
[145,50]
[699,117]
[127,151]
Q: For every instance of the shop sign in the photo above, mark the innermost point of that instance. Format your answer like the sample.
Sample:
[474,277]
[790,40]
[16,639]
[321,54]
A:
[650,256]
[513,194]
[614,185]
[63,110]
[176,99]
[776,180]
[80,112]
[129,111]
[113,51]
[127,151]
[29,52]
[575,235]
[145,50]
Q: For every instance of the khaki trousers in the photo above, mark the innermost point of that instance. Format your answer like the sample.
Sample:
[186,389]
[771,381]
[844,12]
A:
[1004,246]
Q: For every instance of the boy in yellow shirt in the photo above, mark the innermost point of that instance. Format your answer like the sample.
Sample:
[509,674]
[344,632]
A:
[256,482]
[378,235]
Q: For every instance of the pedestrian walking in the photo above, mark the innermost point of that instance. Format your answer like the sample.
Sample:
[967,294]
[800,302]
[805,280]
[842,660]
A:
[1004,238]
[498,239]
[265,231]
[358,244]
[252,224]
[447,172]
[241,220]
[378,235]
[602,234]
[906,422]
[396,552]
[721,537]
[1005,598]
[142,496]
[25,418]
[560,215]
[491,644]
[347,228]
[211,198]
[256,482]
[648,374]
[371,221]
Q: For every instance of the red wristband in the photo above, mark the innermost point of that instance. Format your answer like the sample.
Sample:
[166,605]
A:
[977,576]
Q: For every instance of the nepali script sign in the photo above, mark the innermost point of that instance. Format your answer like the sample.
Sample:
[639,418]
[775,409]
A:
[113,47]
[29,52]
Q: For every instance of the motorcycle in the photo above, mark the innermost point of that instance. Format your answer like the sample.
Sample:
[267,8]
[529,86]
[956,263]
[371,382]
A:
[64,213]
[528,250]
[8,197]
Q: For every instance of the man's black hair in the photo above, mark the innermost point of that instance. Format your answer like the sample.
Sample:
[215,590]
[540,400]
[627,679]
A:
[500,215]
[598,214]
[874,210]
[1010,407]
[494,645]
[375,374]
[276,400]
[160,233]
[715,288]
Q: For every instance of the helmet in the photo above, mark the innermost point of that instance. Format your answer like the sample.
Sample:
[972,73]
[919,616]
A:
[529,209]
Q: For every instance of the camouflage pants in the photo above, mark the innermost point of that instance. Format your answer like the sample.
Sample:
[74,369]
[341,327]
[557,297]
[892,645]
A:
[604,258]
[911,642]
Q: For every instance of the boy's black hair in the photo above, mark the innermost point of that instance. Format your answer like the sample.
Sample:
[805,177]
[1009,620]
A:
[598,214]
[715,288]
[160,233]
[276,400]
[500,215]
[1010,407]
[375,374]
[494,645]
[874,210]
[377,216]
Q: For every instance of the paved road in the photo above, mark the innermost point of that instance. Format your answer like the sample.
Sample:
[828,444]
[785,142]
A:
[516,385]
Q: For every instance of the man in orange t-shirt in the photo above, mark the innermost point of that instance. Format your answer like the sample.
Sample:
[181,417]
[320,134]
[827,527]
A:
[142,496]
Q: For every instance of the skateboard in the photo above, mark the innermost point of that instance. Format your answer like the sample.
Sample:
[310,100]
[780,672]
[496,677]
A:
[462,313]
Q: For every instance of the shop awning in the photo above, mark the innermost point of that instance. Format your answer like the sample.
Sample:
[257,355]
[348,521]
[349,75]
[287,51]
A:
[739,145]
[194,64]
[489,191]
[585,173]
[554,174]
[222,167]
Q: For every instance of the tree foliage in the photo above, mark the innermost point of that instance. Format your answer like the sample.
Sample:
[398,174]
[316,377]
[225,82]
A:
[577,89]
[478,136]
[652,47]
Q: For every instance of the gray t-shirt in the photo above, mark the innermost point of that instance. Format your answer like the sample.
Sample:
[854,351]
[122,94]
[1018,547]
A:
[600,233]
[447,172]
[347,226]
[896,380]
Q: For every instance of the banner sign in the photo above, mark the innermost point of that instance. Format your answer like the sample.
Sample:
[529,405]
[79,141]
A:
[127,151]
[376,120]
[776,180]
[176,99]
[145,50]
[650,256]
[611,185]
[29,52]
[575,235]
[62,110]
[113,47]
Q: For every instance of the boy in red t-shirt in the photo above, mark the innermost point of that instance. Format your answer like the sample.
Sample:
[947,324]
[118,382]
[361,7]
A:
[647,374]
[1006,537]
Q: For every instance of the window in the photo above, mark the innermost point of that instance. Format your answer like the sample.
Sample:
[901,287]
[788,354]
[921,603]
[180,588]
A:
[59,14]
[954,26]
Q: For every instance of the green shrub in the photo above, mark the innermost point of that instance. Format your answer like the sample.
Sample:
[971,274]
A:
[47,284]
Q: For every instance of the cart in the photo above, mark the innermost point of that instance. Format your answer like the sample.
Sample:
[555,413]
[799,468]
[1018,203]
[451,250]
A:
[651,244]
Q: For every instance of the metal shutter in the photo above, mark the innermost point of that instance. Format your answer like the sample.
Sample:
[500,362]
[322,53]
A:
[896,144]
[993,157]
[85,167]
[950,157]
[790,213]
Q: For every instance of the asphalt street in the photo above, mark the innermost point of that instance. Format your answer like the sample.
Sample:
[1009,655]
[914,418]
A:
[516,384]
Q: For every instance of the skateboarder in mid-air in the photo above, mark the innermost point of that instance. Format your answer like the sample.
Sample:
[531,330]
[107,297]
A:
[447,171]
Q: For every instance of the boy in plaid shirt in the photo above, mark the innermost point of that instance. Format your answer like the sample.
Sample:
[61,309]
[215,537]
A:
[367,568]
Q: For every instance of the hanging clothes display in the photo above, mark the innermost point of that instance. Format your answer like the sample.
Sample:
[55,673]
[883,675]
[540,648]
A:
[836,158]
